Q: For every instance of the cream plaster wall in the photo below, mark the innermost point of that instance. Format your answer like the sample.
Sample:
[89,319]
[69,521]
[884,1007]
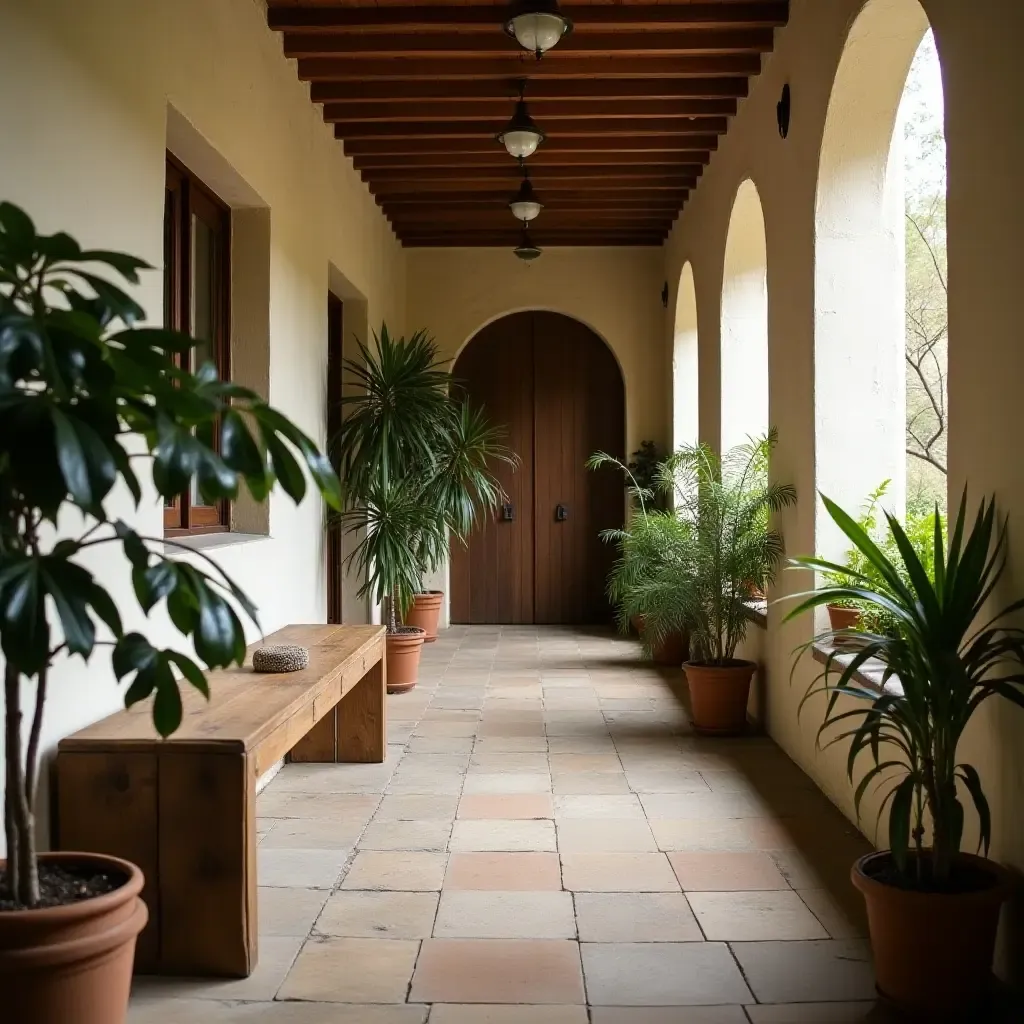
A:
[983,78]
[93,92]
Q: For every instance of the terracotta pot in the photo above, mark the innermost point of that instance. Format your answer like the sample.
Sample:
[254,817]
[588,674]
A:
[842,618]
[424,613]
[637,622]
[673,650]
[403,658]
[73,964]
[718,696]
[933,951]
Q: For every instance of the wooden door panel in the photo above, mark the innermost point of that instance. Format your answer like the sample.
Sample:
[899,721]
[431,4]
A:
[492,578]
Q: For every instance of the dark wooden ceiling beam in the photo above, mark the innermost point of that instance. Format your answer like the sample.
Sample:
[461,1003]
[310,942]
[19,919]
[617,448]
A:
[458,46]
[588,199]
[538,176]
[441,187]
[332,18]
[553,127]
[541,90]
[696,160]
[453,110]
[500,66]
[564,144]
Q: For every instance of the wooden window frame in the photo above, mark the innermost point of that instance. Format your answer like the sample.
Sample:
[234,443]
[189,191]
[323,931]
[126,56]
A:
[184,196]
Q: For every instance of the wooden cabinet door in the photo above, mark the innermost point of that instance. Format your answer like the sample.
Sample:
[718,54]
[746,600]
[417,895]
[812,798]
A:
[492,577]
[578,409]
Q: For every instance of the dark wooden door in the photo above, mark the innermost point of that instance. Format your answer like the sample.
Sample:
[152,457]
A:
[556,389]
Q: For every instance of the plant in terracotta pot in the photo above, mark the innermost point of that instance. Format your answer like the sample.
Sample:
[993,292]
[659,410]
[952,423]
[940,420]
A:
[87,398]
[650,536]
[414,462]
[932,909]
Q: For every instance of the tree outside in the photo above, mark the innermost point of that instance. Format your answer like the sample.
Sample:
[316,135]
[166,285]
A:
[926,311]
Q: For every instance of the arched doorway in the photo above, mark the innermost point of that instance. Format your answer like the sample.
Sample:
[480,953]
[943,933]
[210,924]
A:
[555,387]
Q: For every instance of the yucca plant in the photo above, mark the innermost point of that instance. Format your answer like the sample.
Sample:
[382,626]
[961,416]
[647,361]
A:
[940,666]
[415,462]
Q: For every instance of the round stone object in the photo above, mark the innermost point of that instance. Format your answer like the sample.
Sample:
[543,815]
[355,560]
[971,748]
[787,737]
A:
[282,658]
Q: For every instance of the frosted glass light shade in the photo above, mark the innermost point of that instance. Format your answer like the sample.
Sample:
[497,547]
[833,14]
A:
[538,32]
[520,142]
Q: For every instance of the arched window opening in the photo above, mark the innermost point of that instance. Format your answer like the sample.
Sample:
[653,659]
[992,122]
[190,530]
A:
[927,324]
[744,322]
[877,178]
[685,418]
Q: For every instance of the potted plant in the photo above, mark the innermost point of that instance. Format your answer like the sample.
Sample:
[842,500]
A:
[932,909]
[643,545]
[415,465]
[85,396]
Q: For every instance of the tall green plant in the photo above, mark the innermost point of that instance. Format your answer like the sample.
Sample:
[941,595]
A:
[86,398]
[696,566]
[416,465]
[944,665]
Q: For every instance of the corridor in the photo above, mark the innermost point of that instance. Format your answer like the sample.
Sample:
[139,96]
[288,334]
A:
[546,841]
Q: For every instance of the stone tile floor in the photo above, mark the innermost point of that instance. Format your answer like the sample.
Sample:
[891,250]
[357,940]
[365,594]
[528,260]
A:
[547,843]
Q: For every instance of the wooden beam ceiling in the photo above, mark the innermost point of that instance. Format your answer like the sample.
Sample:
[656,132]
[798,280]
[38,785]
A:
[633,103]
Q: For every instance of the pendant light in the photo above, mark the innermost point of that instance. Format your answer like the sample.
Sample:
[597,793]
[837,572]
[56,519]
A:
[525,205]
[521,135]
[537,25]
[526,250]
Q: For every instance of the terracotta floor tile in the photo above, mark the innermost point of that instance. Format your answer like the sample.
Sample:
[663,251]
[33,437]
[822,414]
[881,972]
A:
[175,1011]
[506,805]
[605,835]
[488,762]
[599,806]
[618,872]
[316,869]
[416,806]
[807,972]
[724,872]
[841,921]
[288,910]
[754,916]
[505,915]
[501,835]
[662,974]
[498,971]
[338,807]
[512,744]
[379,915]
[477,1014]
[730,835]
[668,1015]
[590,783]
[507,782]
[441,744]
[635,917]
[503,871]
[598,762]
[821,1013]
[425,834]
[352,971]
[314,833]
[399,870]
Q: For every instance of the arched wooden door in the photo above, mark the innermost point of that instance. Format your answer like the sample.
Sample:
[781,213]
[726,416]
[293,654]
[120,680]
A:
[556,389]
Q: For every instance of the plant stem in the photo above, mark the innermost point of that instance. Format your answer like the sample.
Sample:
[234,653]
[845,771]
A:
[23,857]
[392,615]
[32,760]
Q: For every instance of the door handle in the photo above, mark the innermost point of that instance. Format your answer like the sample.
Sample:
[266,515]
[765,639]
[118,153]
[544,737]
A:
[561,513]
[508,512]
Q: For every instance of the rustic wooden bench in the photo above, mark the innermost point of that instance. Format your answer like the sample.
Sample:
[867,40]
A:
[183,809]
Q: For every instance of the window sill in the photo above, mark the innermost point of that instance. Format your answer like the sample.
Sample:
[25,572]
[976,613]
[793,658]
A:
[181,546]
[757,612]
[869,674]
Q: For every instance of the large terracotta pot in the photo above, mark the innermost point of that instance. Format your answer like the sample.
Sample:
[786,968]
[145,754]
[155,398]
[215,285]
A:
[933,951]
[718,696]
[424,613]
[73,964]
[403,658]
[673,650]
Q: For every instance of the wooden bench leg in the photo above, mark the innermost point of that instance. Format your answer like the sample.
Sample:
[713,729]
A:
[320,744]
[362,719]
[208,920]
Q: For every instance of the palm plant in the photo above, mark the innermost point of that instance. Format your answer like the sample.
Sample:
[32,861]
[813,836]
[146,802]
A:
[939,668]
[723,549]
[415,464]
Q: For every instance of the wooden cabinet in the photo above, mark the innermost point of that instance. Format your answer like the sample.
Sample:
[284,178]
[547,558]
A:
[556,389]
